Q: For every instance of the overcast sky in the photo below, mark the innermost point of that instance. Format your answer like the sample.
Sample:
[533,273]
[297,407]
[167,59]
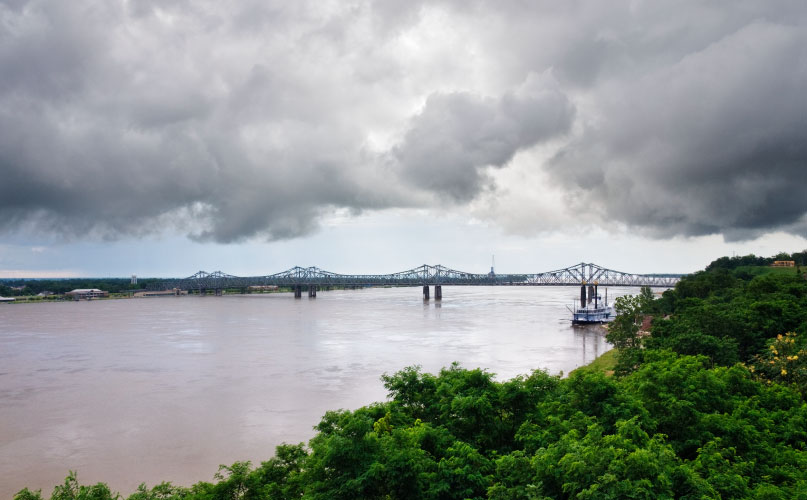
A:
[163,137]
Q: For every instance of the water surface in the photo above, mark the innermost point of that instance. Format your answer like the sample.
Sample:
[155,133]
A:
[146,390]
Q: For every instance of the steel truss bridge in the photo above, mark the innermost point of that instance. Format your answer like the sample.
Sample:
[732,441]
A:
[425,275]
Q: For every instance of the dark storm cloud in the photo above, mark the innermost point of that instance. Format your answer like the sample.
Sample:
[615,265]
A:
[108,131]
[226,122]
[715,143]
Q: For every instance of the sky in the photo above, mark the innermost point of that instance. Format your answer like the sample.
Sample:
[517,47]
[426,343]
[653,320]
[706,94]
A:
[160,138]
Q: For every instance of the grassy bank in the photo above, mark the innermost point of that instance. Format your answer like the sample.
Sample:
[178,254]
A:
[604,363]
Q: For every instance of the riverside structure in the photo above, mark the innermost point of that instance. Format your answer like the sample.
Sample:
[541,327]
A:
[313,278]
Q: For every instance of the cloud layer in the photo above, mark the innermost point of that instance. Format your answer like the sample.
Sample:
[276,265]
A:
[227,123]
[457,136]
[714,143]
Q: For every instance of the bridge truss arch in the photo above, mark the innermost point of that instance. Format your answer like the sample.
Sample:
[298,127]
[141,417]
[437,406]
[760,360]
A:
[588,273]
[583,273]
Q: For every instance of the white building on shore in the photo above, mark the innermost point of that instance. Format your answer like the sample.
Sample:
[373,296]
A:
[87,293]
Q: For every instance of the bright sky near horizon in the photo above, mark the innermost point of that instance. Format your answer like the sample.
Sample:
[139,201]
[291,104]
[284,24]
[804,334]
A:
[372,136]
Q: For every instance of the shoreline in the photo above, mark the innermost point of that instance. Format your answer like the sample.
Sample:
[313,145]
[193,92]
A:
[603,363]
[29,299]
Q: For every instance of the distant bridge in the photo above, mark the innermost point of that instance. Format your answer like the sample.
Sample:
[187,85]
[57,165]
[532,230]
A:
[314,278]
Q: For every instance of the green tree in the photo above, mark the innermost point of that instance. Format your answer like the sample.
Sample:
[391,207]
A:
[162,491]
[26,494]
[281,477]
[784,361]
[623,333]
[646,299]
[72,490]
[627,464]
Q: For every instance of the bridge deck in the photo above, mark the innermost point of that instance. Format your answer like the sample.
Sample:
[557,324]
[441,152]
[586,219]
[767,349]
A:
[582,273]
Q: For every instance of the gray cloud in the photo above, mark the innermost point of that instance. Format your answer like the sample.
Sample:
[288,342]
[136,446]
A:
[457,135]
[255,120]
[712,144]
[109,130]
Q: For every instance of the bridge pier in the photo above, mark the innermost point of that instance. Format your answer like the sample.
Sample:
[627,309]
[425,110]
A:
[219,292]
[438,292]
[425,292]
[312,291]
[298,291]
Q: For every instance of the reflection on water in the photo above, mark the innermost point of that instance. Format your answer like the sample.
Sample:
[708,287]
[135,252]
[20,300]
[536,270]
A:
[126,391]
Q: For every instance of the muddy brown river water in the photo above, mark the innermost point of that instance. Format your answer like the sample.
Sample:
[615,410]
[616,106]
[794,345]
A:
[166,389]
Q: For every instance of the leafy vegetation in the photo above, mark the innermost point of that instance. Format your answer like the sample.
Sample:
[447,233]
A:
[728,316]
[752,261]
[711,404]
[25,287]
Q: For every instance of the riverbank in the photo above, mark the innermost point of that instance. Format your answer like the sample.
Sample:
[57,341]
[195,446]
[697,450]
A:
[604,363]
[33,299]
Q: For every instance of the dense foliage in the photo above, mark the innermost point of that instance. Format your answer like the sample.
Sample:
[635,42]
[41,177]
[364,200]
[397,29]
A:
[23,287]
[800,258]
[729,316]
[709,405]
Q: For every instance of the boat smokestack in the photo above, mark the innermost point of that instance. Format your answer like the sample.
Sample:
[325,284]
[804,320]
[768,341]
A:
[583,295]
[595,296]
[590,293]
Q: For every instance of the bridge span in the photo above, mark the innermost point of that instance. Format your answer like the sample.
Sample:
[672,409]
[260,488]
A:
[313,278]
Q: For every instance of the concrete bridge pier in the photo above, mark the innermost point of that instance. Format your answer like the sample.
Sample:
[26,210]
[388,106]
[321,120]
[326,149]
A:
[298,291]
[312,291]
[438,292]
[425,292]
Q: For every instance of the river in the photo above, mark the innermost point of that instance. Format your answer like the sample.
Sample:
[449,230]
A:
[146,390]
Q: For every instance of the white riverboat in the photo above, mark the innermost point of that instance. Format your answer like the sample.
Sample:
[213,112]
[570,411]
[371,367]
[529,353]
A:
[592,309]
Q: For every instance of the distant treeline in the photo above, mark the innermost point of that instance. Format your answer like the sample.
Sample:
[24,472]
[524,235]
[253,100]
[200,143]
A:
[709,404]
[800,258]
[18,287]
